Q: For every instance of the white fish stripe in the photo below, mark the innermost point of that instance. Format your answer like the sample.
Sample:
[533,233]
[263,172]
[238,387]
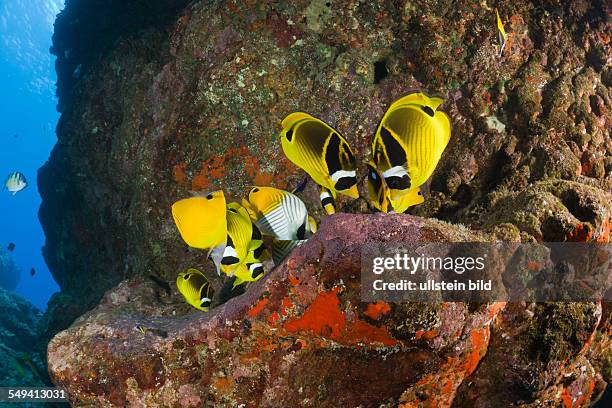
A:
[284,220]
[325,194]
[343,173]
[395,171]
[230,251]
[254,266]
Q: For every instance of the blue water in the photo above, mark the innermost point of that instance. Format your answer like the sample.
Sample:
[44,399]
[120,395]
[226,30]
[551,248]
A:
[27,132]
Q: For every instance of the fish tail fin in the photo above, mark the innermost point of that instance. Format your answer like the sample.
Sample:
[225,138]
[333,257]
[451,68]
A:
[313,224]
[327,201]
[293,118]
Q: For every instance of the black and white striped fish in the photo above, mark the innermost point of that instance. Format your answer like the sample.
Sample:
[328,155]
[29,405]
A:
[279,213]
[15,182]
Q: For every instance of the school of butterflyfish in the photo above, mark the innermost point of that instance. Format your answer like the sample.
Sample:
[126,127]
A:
[405,151]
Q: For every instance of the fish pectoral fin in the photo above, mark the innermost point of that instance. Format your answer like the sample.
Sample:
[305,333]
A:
[293,118]
[237,282]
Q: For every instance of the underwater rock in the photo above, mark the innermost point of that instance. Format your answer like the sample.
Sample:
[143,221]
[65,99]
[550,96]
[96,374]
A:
[302,337]
[20,364]
[174,98]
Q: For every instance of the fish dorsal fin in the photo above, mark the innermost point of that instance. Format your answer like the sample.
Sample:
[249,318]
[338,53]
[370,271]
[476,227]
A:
[417,99]
[500,25]
[293,118]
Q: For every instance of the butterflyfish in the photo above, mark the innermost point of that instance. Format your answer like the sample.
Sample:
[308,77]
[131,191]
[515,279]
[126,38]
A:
[15,182]
[202,221]
[409,142]
[244,246]
[196,288]
[323,153]
[279,213]
[501,32]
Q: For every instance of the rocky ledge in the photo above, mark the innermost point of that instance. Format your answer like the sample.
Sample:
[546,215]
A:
[302,337]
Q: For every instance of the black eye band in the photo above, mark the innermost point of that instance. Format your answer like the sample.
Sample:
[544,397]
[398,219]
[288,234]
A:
[345,183]
[398,183]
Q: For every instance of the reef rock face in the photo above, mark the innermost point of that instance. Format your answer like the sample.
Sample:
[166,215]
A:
[168,103]
[302,337]
[176,98]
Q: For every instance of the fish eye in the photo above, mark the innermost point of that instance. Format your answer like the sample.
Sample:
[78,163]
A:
[186,277]
[209,197]
[419,193]
[233,210]
[255,190]
[289,134]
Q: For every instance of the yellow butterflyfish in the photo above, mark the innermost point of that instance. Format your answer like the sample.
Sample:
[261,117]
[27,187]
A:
[323,153]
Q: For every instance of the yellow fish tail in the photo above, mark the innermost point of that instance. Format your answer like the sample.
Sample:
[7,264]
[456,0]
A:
[327,201]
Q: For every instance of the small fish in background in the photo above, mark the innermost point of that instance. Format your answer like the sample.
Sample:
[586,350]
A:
[11,246]
[157,332]
[406,149]
[15,182]
[15,136]
[196,288]
[202,223]
[323,153]
[501,32]
[32,272]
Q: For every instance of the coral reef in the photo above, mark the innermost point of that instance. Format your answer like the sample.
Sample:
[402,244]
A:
[20,364]
[9,271]
[175,98]
[302,337]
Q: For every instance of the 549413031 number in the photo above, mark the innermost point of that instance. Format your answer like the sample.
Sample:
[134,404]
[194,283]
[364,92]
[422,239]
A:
[32,394]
